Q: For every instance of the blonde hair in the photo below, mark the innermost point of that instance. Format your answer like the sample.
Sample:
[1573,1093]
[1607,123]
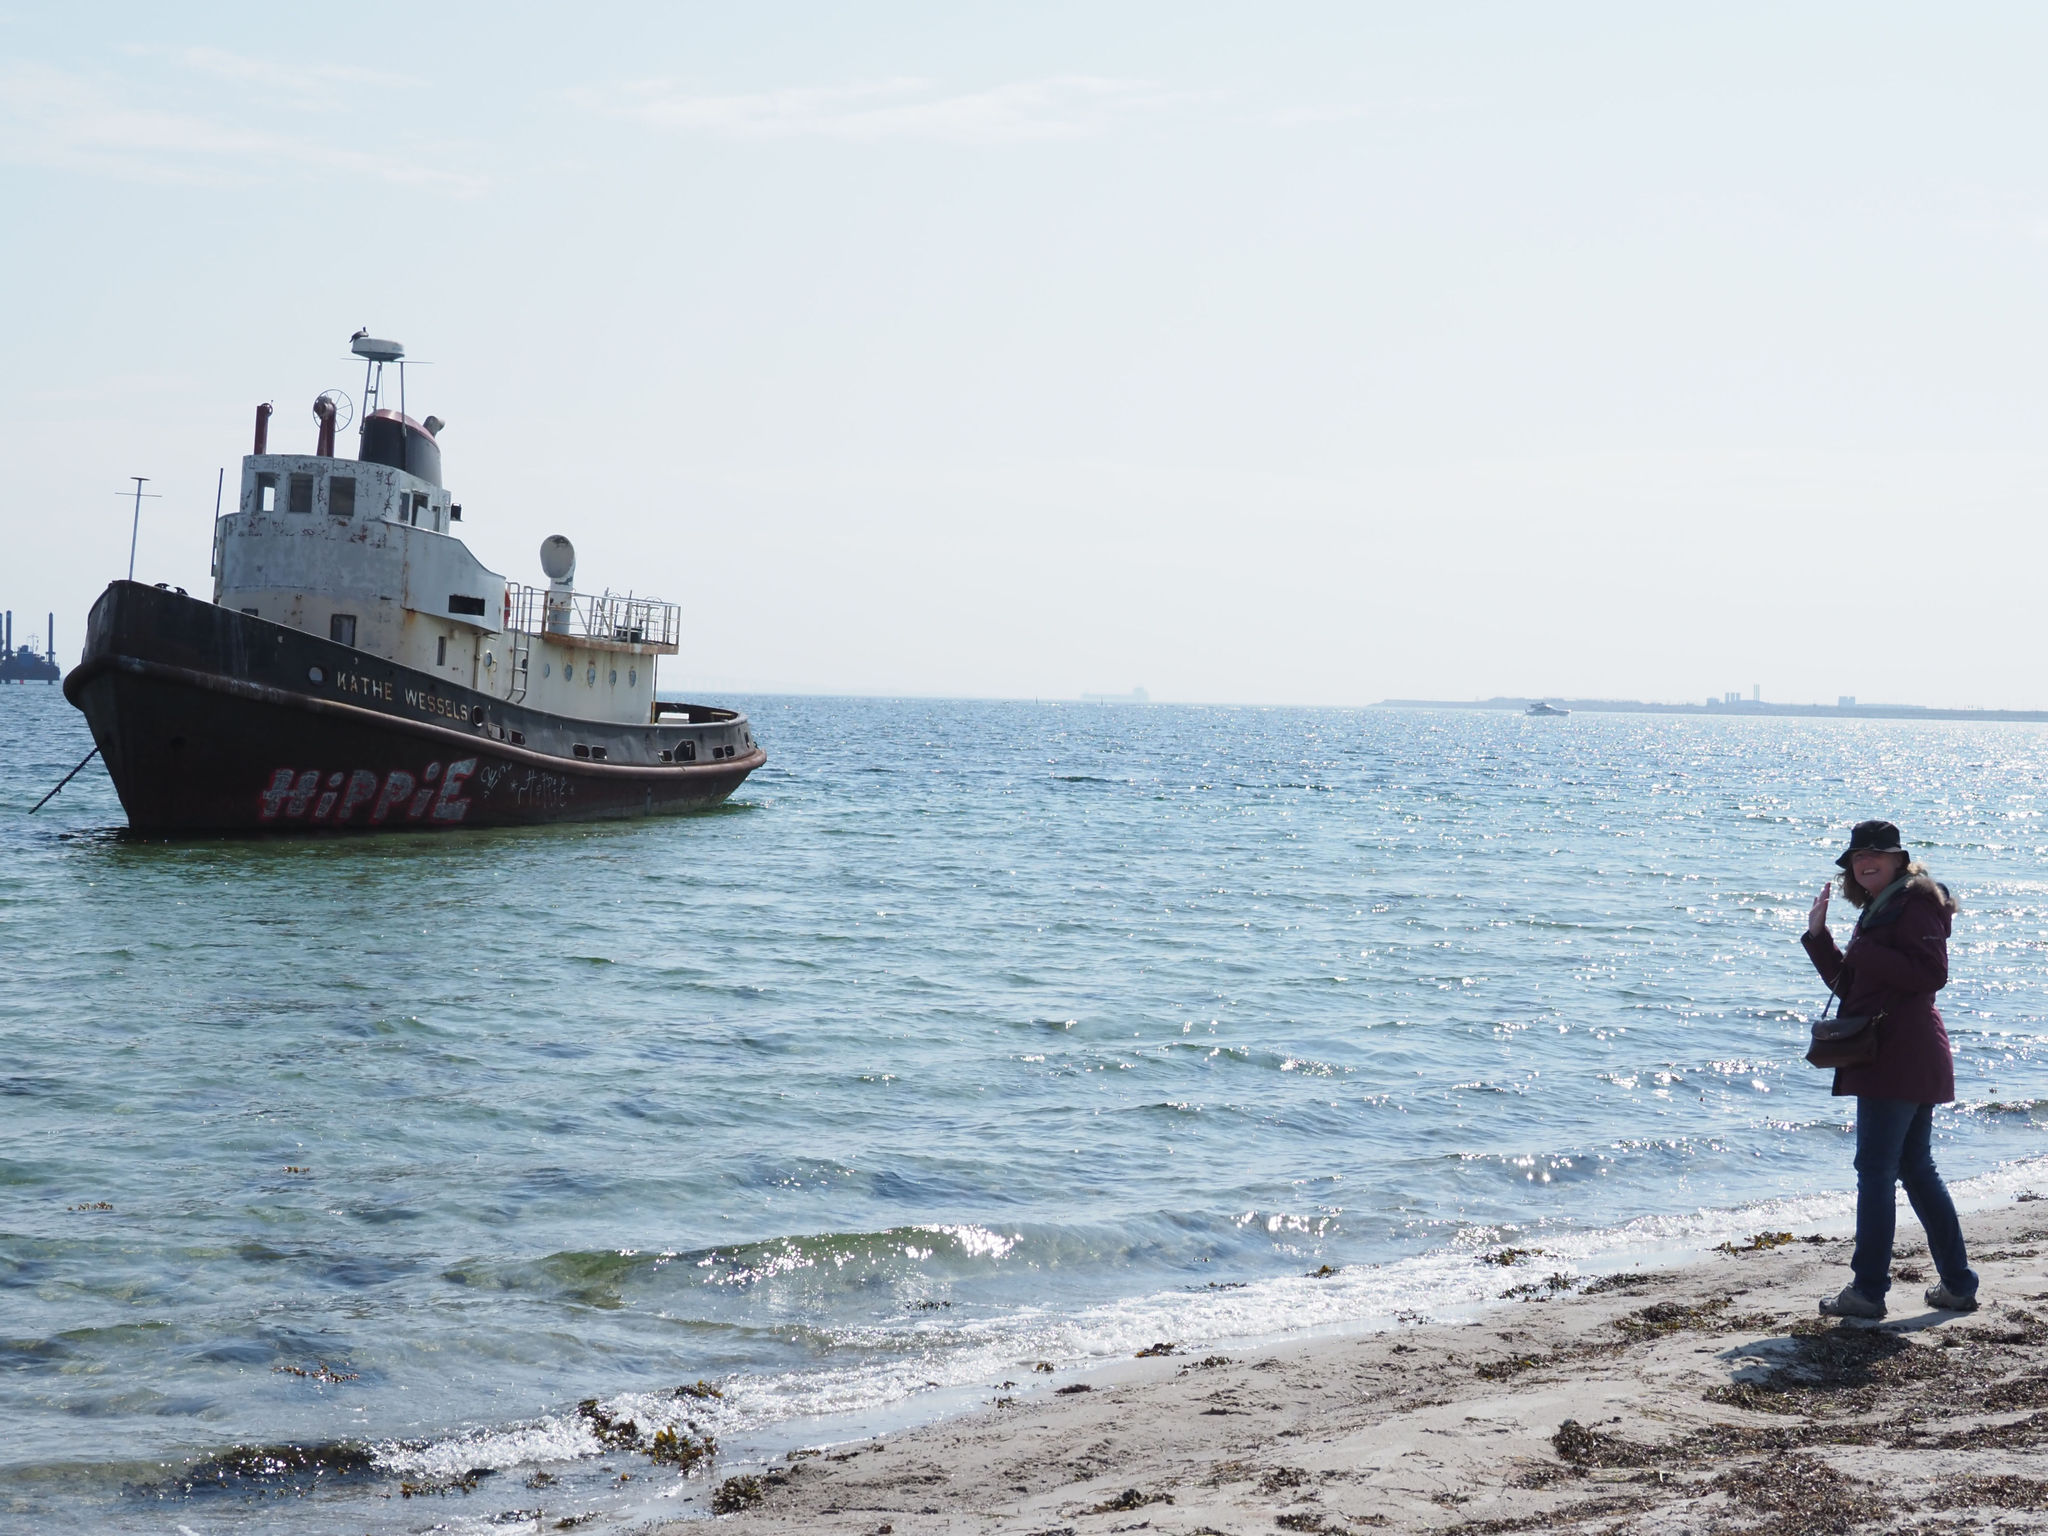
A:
[1856,896]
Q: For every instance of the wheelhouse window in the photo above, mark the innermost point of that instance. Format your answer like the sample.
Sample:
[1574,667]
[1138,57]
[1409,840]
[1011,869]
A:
[440,650]
[341,495]
[341,628]
[301,494]
[266,493]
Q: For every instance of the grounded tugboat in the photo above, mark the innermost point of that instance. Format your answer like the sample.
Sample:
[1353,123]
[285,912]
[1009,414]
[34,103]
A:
[359,668]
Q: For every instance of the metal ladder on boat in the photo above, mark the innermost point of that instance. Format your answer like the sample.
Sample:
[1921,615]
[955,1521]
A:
[521,651]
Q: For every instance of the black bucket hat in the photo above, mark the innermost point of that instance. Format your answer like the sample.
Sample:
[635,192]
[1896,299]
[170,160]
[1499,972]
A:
[1870,837]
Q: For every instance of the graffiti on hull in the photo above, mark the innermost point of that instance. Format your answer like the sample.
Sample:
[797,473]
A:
[332,797]
[526,788]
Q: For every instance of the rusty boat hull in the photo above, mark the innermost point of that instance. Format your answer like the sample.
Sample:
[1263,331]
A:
[215,721]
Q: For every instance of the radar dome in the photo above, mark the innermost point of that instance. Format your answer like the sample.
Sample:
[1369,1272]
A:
[557,557]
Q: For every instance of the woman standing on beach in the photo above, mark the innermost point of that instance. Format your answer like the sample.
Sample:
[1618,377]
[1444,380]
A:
[1897,960]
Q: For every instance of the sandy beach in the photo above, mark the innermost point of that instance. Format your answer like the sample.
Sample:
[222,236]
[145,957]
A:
[1708,1397]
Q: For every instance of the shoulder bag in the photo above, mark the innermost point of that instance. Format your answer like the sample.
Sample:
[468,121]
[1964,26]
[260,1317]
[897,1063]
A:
[1846,1040]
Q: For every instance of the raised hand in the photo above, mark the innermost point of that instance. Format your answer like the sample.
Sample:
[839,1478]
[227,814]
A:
[1817,914]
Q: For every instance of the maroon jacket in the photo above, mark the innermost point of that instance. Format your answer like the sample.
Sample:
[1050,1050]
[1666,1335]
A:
[1897,961]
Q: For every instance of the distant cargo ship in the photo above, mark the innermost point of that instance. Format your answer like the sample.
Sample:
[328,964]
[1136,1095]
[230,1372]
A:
[24,665]
[359,668]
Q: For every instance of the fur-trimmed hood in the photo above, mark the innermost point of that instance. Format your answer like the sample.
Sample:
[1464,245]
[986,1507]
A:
[1920,886]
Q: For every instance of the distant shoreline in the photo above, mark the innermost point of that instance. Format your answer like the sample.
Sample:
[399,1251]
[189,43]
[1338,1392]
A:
[1750,707]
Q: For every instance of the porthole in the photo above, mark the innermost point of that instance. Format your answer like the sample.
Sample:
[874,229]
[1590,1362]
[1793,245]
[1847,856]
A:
[547,669]
[667,756]
[580,750]
[315,675]
[632,677]
[613,680]
[590,676]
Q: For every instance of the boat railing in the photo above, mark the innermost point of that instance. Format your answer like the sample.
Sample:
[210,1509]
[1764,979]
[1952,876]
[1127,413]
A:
[607,618]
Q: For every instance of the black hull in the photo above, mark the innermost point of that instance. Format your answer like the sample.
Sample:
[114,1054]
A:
[216,721]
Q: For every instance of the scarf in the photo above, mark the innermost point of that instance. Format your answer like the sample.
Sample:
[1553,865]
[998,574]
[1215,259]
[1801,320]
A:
[1883,896]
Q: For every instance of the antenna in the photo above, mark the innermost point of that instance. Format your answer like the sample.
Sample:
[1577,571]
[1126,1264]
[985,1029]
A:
[135,531]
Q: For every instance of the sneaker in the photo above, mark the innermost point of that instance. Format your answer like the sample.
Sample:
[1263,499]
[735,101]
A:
[1942,1299]
[1852,1303]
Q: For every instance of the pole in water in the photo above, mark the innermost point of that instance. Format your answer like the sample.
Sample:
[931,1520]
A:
[95,752]
[135,531]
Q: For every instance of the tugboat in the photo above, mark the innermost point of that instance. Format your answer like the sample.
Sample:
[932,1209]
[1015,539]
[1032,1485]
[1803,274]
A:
[24,665]
[359,669]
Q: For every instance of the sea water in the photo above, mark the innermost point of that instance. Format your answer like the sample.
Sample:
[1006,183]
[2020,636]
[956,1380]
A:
[967,1036]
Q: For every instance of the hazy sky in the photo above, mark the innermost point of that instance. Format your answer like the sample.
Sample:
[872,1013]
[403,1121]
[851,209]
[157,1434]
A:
[1273,353]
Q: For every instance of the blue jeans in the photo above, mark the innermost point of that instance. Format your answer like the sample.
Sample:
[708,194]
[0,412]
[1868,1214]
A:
[1894,1145]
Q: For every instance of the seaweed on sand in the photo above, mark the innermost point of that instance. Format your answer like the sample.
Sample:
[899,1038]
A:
[2020,1435]
[1130,1498]
[1533,1289]
[1584,1447]
[2025,1328]
[1589,1509]
[1806,1496]
[1632,1280]
[1667,1317]
[738,1493]
[2029,1390]
[1512,1366]
[1993,1493]
[1762,1242]
[1836,1372]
